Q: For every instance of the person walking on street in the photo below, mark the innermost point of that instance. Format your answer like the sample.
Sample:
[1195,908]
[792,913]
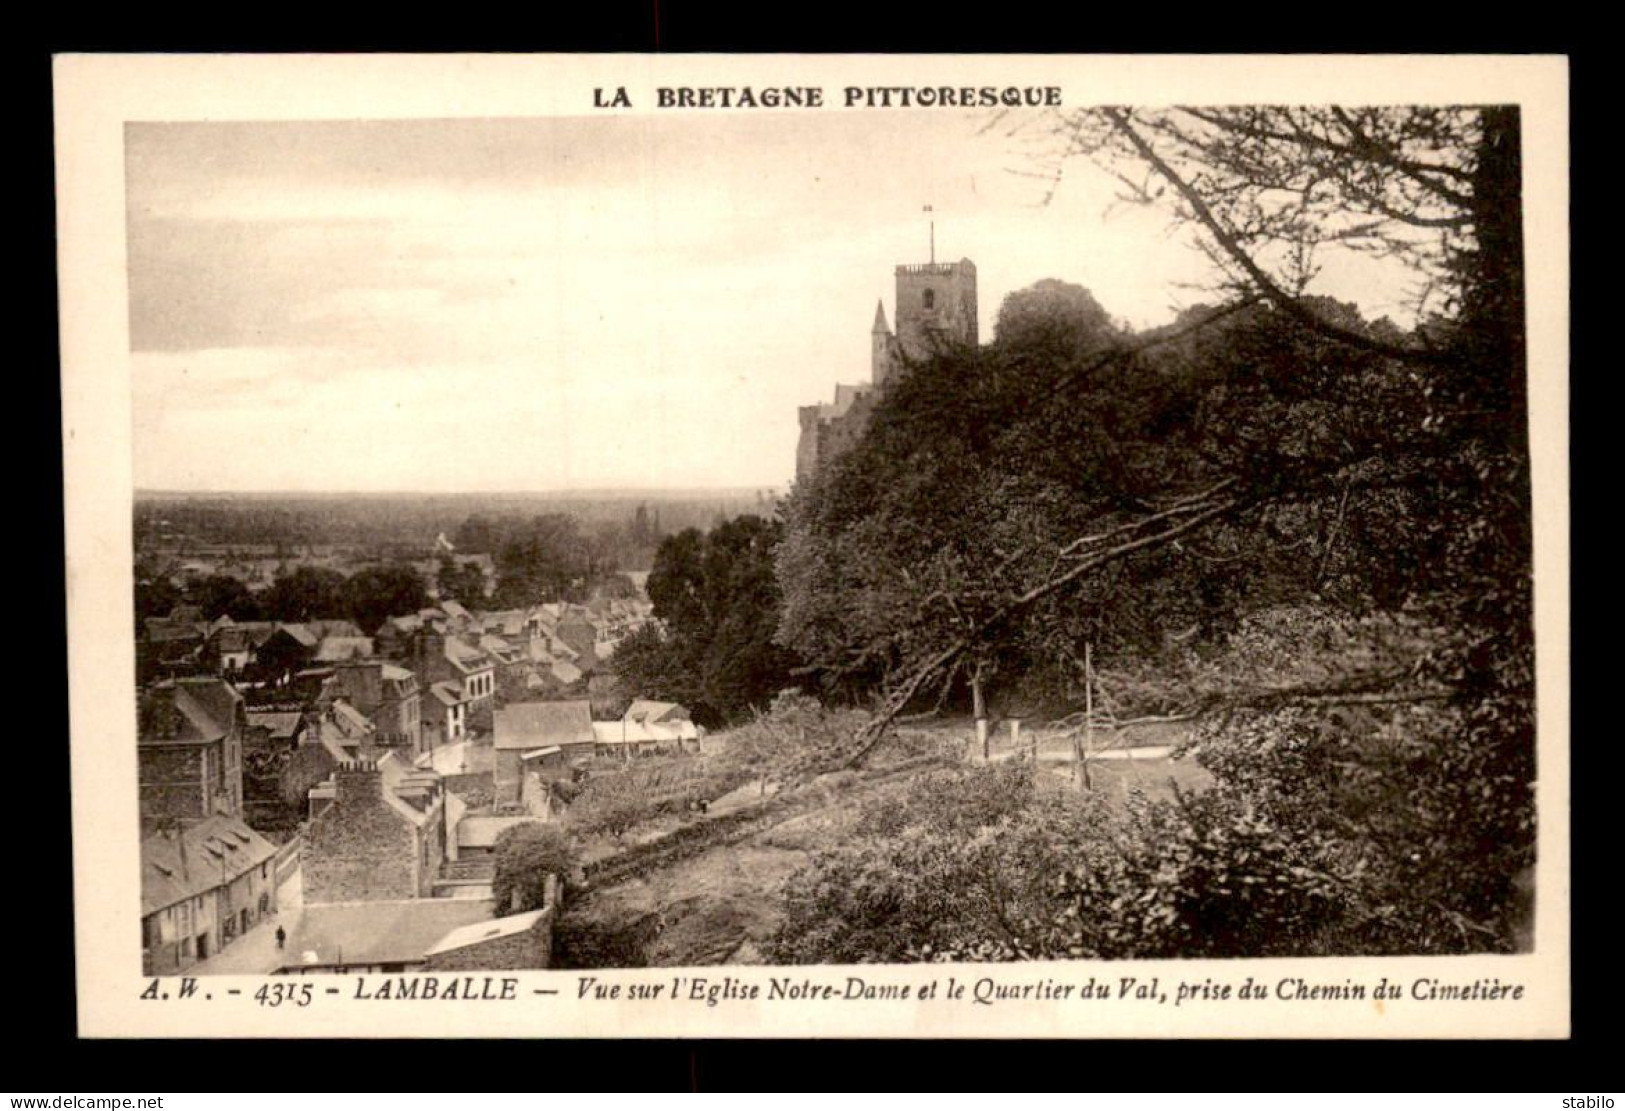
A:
[281,937]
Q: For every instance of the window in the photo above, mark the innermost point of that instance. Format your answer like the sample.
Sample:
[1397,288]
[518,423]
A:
[930,298]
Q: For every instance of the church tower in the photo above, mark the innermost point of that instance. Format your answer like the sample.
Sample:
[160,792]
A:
[936,302]
[880,352]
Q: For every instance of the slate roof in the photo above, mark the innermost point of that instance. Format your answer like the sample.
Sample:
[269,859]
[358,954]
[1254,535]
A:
[465,657]
[199,859]
[229,638]
[464,936]
[162,629]
[396,932]
[508,622]
[188,710]
[350,721]
[336,648]
[300,633]
[280,724]
[647,709]
[527,725]
[334,627]
[448,693]
[480,831]
[258,631]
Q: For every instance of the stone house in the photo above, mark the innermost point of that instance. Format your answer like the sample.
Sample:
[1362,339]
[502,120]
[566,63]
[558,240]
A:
[378,936]
[170,646]
[499,944]
[437,658]
[377,831]
[477,834]
[283,653]
[445,721]
[189,751]
[387,695]
[525,731]
[202,887]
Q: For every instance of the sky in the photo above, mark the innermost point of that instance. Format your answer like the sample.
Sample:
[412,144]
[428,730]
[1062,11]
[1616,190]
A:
[568,303]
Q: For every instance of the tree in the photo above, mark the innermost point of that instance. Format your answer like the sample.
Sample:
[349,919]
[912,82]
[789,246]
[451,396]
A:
[611,804]
[717,603]
[463,582]
[547,559]
[306,593]
[525,856]
[475,534]
[1052,317]
[373,594]
[218,595]
[155,595]
[1160,491]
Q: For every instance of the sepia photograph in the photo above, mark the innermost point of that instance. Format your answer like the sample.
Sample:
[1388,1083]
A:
[760,533]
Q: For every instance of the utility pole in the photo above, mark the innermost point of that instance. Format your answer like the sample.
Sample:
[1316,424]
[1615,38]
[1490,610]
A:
[1081,750]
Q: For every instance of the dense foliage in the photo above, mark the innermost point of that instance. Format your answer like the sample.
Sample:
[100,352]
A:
[717,603]
[1307,529]
[525,856]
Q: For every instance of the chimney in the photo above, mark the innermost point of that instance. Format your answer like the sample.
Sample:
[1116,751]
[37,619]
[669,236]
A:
[357,781]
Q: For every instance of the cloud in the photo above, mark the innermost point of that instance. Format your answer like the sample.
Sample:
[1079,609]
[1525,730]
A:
[522,303]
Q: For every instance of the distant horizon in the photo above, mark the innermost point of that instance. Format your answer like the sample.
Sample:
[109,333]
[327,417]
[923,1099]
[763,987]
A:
[582,491]
[615,302]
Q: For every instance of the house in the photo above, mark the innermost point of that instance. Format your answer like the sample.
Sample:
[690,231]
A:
[525,730]
[285,651]
[376,936]
[339,648]
[202,887]
[475,669]
[189,751]
[517,941]
[462,674]
[387,695]
[377,831]
[393,639]
[229,649]
[477,833]
[170,646]
[516,624]
[577,629]
[445,717]
[621,738]
[648,710]
[345,732]
[273,730]
[333,627]
[641,738]
[457,617]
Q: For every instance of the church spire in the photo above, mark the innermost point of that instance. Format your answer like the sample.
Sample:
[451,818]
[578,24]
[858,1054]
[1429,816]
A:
[880,328]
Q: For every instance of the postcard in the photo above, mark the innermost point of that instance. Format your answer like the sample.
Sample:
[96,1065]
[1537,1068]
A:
[808,546]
